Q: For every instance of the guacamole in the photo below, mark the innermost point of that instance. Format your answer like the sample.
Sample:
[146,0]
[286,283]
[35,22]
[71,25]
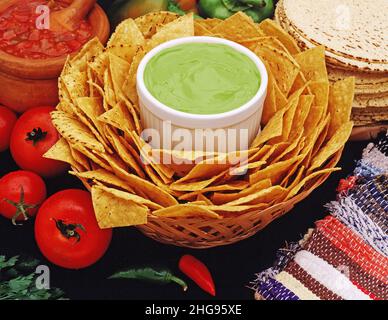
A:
[202,78]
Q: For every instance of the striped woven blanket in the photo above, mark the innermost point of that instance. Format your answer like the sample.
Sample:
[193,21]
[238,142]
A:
[346,256]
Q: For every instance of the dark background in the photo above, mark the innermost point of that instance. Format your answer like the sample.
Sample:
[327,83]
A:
[233,266]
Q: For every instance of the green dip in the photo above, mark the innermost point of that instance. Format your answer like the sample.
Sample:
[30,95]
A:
[202,78]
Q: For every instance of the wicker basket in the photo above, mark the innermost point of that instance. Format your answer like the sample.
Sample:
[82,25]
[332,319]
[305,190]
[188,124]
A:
[197,232]
[202,233]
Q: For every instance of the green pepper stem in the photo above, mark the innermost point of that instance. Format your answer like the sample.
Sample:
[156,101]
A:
[180,282]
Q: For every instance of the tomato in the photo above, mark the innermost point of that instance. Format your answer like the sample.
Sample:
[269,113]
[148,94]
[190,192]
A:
[188,5]
[21,194]
[7,122]
[33,135]
[67,232]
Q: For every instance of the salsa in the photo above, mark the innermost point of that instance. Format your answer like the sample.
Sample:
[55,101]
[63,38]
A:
[20,37]
[202,78]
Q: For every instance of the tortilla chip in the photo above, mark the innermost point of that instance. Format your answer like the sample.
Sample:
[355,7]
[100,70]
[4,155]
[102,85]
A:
[129,86]
[186,211]
[98,66]
[302,111]
[288,118]
[311,139]
[237,28]
[251,43]
[275,99]
[201,31]
[320,89]
[135,114]
[296,180]
[209,23]
[146,152]
[205,169]
[60,151]
[118,117]
[222,198]
[124,154]
[273,129]
[149,22]
[274,171]
[225,209]
[294,144]
[89,51]
[92,156]
[131,197]
[119,70]
[105,177]
[202,197]
[340,103]
[80,158]
[125,41]
[196,185]
[112,211]
[295,190]
[313,119]
[300,81]
[74,131]
[142,186]
[336,142]
[76,84]
[92,108]
[263,196]
[232,186]
[320,141]
[182,27]
[271,28]
[283,67]
[313,64]
[110,94]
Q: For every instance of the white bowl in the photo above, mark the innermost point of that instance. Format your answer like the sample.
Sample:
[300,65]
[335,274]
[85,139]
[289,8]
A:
[245,120]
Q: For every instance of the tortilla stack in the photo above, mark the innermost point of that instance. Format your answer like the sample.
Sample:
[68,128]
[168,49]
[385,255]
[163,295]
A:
[355,35]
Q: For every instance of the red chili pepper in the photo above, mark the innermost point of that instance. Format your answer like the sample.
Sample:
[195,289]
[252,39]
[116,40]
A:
[197,272]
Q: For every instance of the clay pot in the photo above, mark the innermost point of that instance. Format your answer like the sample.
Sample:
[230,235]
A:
[27,83]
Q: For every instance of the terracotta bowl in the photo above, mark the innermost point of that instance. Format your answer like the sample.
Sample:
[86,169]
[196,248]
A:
[27,83]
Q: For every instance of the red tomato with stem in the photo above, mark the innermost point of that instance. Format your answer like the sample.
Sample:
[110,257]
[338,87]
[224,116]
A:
[33,135]
[7,122]
[67,232]
[21,194]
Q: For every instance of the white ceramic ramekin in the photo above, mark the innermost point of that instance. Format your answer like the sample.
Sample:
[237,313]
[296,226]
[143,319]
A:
[154,114]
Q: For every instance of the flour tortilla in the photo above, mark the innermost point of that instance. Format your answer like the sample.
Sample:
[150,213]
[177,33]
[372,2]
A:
[316,23]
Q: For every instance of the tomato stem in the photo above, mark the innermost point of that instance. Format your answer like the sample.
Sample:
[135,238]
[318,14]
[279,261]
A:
[21,207]
[36,135]
[69,230]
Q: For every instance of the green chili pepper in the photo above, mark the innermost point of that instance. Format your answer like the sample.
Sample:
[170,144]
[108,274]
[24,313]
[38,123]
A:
[235,6]
[263,13]
[214,9]
[151,275]
[173,6]
[254,3]
[258,10]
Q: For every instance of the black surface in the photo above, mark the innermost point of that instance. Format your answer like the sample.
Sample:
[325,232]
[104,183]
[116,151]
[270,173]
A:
[232,266]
